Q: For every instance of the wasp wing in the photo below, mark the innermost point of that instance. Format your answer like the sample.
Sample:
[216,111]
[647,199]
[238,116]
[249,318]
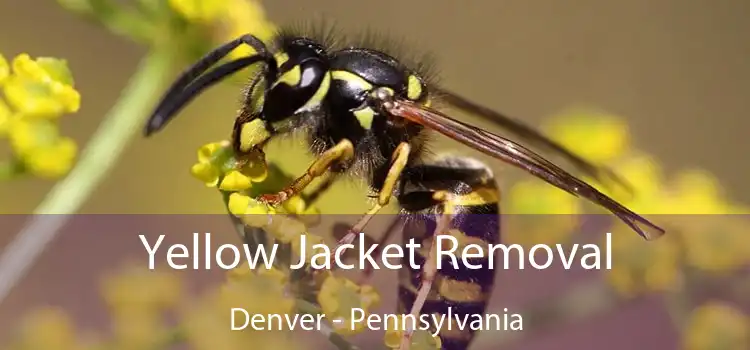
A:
[530,135]
[519,156]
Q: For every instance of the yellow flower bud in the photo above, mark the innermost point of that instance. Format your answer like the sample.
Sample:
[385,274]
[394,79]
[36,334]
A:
[238,203]
[52,161]
[206,173]
[235,181]
[40,99]
[295,205]
[207,151]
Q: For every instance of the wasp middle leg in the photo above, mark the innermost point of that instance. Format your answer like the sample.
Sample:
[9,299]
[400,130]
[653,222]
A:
[455,197]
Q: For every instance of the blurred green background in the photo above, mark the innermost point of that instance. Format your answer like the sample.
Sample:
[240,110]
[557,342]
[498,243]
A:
[675,70]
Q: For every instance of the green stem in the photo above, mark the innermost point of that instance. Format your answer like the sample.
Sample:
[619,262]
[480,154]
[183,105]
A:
[121,124]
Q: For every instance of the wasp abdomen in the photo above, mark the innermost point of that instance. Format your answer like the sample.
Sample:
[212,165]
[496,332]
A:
[462,285]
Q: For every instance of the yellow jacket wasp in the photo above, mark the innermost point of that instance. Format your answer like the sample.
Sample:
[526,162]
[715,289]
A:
[367,113]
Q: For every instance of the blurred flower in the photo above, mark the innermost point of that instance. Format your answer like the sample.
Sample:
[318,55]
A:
[717,326]
[338,296]
[540,214]
[258,293]
[41,87]
[48,329]
[697,192]
[640,266]
[244,17]
[138,288]
[597,136]
[420,339]
[37,92]
[201,11]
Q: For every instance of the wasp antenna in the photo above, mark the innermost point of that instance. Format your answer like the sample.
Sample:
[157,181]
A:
[190,82]
[170,107]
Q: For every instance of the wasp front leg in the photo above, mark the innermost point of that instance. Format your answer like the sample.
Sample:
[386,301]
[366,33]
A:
[340,153]
[454,200]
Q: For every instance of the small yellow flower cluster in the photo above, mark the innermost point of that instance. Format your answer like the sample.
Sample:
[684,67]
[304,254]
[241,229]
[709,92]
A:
[717,326]
[137,300]
[260,292]
[52,329]
[241,181]
[689,206]
[36,93]
[338,296]
[554,216]
[231,18]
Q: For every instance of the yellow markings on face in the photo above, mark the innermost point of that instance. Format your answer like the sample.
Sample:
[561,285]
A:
[320,94]
[351,78]
[481,196]
[365,117]
[291,77]
[252,134]
[413,88]
[281,58]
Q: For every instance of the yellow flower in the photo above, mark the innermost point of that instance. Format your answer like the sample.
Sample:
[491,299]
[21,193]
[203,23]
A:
[596,136]
[138,329]
[286,229]
[42,87]
[338,296]
[200,11]
[6,117]
[717,326]
[4,69]
[53,161]
[216,161]
[137,288]
[715,243]
[643,173]
[252,212]
[235,181]
[43,151]
[697,192]
[206,172]
[244,17]
[420,339]
[48,329]
[207,322]
[540,214]
[640,266]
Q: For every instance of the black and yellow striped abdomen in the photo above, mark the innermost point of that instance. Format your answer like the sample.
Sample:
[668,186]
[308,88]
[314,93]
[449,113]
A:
[459,292]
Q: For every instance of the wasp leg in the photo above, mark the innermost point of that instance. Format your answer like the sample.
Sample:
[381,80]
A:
[398,163]
[341,152]
[429,270]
